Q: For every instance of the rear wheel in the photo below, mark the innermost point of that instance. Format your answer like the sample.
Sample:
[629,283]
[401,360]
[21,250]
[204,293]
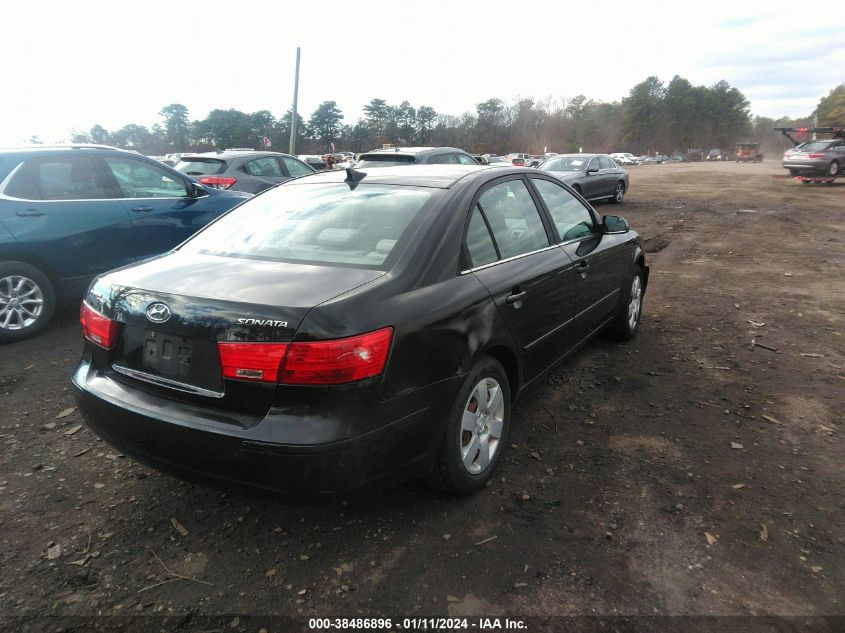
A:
[476,431]
[832,169]
[627,322]
[618,193]
[27,301]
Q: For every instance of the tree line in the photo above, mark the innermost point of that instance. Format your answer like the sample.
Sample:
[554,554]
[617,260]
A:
[653,118]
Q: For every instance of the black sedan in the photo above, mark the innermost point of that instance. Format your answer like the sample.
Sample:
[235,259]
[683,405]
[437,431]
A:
[594,176]
[350,327]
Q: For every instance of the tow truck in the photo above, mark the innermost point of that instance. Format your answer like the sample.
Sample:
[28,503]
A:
[835,132]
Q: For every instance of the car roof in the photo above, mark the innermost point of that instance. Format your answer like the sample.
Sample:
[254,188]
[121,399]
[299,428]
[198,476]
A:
[62,148]
[413,151]
[233,153]
[436,176]
[571,155]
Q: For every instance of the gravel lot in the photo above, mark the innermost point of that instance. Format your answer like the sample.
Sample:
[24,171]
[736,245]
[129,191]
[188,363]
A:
[684,473]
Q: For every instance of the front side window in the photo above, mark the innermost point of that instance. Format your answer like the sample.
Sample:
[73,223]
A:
[62,178]
[319,224]
[138,179]
[267,166]
[606,163]
[296,168]
[513,218]
[463,159]
[570,217]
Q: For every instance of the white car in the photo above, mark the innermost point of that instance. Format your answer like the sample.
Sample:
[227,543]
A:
[625,158]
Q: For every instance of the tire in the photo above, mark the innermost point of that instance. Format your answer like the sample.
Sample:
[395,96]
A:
[618,193]
[627,322]
[832,170]
[27,301]
[469,451]
[794,172]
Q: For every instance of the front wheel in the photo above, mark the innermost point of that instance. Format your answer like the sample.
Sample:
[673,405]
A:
[27,301]
[832,169]
[475,432]
[618,193]
[627,322]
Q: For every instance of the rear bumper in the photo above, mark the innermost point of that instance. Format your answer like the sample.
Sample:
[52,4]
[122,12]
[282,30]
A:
[212,446]
[811,166]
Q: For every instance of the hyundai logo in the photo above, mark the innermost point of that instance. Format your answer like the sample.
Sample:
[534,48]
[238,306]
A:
[158,312]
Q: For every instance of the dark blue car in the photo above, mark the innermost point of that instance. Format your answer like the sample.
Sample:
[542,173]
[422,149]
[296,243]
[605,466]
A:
[71,212]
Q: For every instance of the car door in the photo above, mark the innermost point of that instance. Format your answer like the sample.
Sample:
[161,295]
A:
[532,283]
[591,181]
[63,210]
[609,173]
[163,212]
[598,258]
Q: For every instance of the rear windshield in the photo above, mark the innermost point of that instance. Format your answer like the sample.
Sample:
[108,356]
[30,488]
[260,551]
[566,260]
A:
[816,146]
[201,166]
[320,224]
[384,160]
[564,163]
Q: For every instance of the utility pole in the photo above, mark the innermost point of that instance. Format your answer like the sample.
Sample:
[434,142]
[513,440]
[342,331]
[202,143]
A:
[292,144]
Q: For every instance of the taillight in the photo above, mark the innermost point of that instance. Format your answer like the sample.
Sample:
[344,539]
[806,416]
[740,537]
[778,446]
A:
[97,328]
[337,361]
[313,363]
[252,361]
[815,155]
[218,182]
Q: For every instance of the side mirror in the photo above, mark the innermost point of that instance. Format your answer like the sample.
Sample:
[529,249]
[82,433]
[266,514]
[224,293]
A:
[615,224]
[196,190]
[593,170]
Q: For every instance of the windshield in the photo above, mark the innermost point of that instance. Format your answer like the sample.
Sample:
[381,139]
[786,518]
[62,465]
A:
[201,166]
[564,163]
[319,224]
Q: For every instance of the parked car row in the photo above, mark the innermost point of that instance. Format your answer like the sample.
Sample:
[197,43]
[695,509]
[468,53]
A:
[228,323]
[68,213]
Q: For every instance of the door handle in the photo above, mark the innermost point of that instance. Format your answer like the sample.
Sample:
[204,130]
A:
[29,213]
[582,267]
[516,296]
[141,209]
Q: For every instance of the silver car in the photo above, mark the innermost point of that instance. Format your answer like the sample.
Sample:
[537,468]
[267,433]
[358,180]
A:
[816,158]
[594,176]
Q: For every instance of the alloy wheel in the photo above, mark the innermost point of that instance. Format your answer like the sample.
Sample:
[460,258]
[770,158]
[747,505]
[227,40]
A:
[21,302]
[481,426]
[620,192]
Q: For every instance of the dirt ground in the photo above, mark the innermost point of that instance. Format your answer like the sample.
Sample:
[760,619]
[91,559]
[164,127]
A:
[683,473]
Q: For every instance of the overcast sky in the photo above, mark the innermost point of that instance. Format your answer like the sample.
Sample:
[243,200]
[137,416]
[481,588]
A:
[73,64]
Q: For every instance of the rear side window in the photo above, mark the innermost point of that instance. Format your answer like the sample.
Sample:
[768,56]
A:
[61,178]
[443,159]
[570,217]
[479,242]
[320,224]
[23,185]
[296,168]
[513,218]
[201,166]
[266,166]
